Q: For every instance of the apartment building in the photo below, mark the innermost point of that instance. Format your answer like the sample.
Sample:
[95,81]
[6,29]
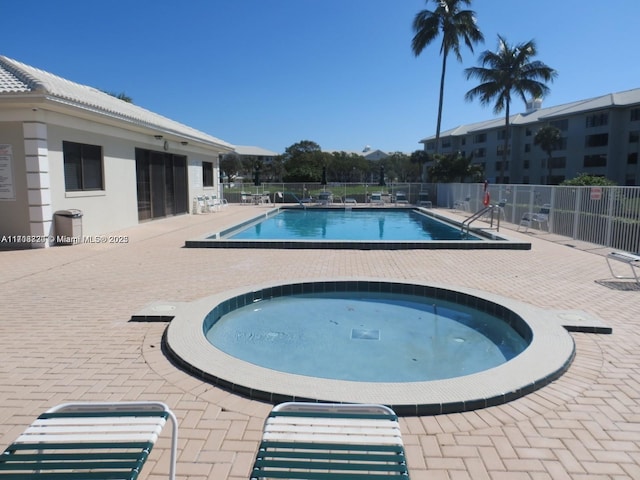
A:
[600,136]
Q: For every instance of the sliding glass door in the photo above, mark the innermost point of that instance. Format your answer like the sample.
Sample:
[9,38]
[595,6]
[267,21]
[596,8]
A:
[161,180]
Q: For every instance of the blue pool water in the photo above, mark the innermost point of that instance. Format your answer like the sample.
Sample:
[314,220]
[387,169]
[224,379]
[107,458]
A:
[367,337]
[351,224]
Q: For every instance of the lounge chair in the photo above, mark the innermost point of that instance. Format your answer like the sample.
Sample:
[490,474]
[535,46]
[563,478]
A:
[325,198]
[401,197]
[376,199]
[423,200]
[541,218]
[630,259]
[330,441]
[89,441]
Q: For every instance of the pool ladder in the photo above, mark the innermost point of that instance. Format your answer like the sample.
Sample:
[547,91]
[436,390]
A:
[466,223]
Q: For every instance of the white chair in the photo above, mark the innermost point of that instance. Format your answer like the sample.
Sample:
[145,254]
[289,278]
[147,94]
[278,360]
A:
[401,198]
[198,205]
[541,218]
[630,259]
[246,198]
[376,199]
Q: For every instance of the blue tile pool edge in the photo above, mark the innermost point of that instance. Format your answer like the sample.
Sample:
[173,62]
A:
[490,240]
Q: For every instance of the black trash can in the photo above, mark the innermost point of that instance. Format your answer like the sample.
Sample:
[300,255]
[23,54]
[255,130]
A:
[68,227]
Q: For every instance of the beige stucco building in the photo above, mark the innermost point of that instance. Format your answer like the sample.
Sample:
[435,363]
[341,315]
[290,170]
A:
[70,147]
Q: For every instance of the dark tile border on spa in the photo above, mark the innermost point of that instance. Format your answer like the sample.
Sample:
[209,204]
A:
[504,311]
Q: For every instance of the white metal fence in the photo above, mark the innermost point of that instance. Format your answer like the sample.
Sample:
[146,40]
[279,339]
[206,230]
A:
[607,216]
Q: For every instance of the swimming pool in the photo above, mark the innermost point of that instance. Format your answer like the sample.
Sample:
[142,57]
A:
[354,228]
[348,224]
[548,352]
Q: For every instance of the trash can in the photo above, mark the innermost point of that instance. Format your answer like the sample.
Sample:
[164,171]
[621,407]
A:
[68,227]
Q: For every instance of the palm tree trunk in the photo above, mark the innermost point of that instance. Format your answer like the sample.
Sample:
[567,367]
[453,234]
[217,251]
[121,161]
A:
[506,143]
[441,101]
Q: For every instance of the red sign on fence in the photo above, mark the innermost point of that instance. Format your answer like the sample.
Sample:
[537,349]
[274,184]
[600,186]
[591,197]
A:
[596,193]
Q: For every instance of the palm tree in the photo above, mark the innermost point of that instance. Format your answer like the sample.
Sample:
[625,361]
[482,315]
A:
[504,73]
[548,139]
[455,24]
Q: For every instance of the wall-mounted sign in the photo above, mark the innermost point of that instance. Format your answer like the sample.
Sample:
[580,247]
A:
[6,173]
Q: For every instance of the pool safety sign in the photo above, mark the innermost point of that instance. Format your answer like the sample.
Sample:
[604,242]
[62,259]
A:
[6,173]
[596,193]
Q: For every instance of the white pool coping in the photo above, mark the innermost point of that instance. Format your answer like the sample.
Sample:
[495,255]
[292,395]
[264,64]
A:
[547,357]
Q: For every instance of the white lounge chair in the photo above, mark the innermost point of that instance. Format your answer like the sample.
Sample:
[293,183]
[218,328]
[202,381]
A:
[376,199]
[401,198]
[325,198]
[89,441]
[630,259]
[330,441]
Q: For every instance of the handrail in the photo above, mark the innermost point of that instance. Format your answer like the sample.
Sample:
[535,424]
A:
[300,202]
[467,221]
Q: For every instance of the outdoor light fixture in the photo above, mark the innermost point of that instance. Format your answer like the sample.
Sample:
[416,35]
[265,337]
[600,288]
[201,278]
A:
[158,137]
[184,143]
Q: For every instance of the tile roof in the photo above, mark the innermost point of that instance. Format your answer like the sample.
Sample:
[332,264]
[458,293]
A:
[19,78]
[256,151]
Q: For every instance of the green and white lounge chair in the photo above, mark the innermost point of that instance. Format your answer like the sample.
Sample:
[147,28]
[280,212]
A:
[325,441]
[89,441]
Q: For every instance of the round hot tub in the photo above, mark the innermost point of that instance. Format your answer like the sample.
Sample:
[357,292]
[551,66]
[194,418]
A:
[420,348]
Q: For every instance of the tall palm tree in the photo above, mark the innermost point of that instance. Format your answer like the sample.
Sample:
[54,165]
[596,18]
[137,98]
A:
[455,24]
[548,139]
[509,71]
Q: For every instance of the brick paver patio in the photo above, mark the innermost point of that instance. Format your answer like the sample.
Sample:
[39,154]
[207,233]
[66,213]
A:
[65,335]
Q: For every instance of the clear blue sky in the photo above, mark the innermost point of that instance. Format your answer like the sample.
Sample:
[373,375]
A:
[341,73]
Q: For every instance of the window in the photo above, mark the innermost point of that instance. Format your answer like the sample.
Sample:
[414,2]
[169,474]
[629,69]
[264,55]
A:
[525,164]
[562,144]
[480,138]
[562,125]
[595,160]
[598,140]
[500,149]
[527,147]
[597,120]
[527,132]
[479,152]
[207,174]
[499,165]
[501,134]
[463,141]
[446,143]
[82,167]
[634,137]
[632,158]
[635,114]
[558,162]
